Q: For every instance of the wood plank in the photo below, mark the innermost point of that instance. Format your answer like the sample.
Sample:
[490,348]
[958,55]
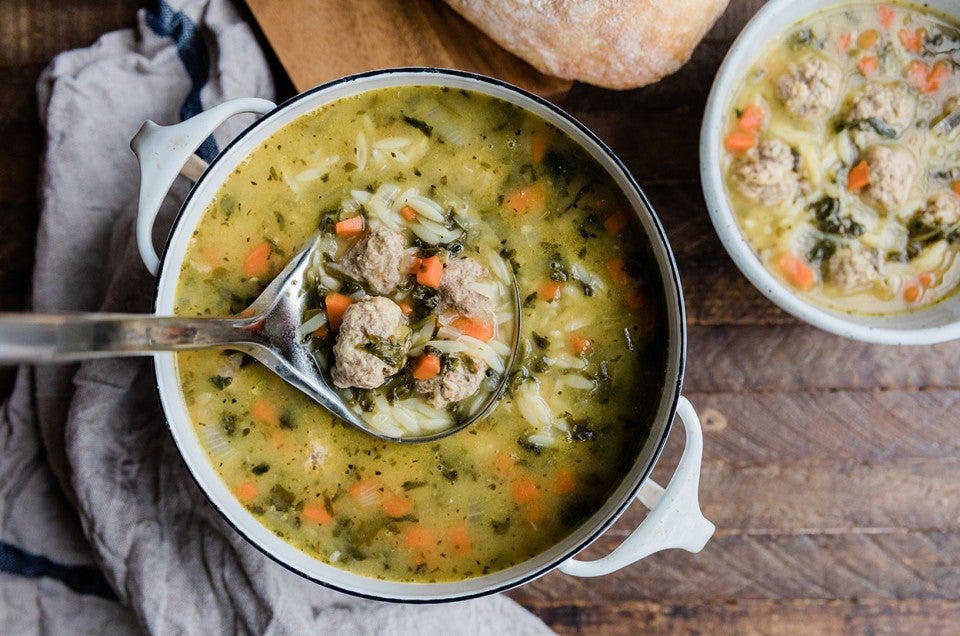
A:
[749,616]
[798,358]
[321,40]
[33,31]
[822,565]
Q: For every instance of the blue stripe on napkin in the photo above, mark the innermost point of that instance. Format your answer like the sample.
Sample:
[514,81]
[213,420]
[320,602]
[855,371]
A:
[192,51]
[82,579]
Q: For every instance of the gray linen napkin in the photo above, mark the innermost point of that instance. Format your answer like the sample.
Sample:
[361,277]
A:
[101,528]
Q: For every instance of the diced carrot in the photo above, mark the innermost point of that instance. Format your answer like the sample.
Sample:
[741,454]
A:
[927,279]
[551,290]
[579,345]
[396,506]
[868,39]
[751,120]
[408,213]
[636,299]
[503,464]
[615,223]
[534,513]
[246,492]
[210,256]
[428,366]
[911,40]
[460,538]
[524,490]
[739,142]
[474,327]
[350,227]
[264,410]
[405,307]
[365,492]
[618,272]
[538,146]
[797,272]
[415,537]
[316,511]
[868,66]
[564,481]
[940,71]
[257,262]
[955,186]
[430,271]
[886,15]
[918,74]
[843,42]
[336,305]
[912,292]
[528,199]
[859,177]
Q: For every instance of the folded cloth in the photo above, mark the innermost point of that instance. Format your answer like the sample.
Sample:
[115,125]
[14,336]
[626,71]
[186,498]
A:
[102,531]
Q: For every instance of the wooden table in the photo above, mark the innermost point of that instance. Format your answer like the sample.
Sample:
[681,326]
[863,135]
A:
[831,467]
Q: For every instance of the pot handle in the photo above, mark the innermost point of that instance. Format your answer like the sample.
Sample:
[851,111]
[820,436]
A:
[163,151]
[675,520]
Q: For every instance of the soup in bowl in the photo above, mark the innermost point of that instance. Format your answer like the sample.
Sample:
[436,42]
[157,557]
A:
[432,193]
[829,165]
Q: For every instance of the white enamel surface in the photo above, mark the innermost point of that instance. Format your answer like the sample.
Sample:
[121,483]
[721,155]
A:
[163,150]
[675,519]
[935,324]
[210,481]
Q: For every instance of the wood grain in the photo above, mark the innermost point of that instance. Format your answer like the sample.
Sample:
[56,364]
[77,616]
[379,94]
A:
[830,468]
[321,40]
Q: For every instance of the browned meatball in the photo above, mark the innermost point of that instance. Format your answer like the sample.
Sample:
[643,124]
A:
[892,104]
[372,343]
[461,377]
[811,89]
[766,174]
[376,259]
[853,267]
[892,173]
[455,288]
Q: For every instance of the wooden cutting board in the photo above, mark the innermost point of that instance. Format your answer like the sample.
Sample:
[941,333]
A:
[321,40]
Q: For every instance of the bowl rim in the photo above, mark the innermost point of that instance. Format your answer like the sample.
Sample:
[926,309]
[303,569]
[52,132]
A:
[742,53]
[164,363]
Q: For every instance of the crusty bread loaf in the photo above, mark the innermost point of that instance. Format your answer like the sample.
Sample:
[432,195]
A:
[611,43]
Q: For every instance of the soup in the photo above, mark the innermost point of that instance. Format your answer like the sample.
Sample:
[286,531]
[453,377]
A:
[842,152]
[579,403]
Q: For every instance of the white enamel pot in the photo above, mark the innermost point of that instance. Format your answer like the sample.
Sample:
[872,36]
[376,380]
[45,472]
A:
[936,323]
[675,520]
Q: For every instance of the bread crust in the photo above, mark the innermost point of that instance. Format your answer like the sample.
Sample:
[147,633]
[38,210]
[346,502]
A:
[612,43]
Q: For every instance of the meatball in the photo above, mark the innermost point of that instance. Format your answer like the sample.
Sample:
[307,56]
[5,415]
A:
[375,259]
[852,267]
[372,344]
[892,173]
[942,209]
[461,377]
[766,174]
[456,292]
[810,90]
[890,103]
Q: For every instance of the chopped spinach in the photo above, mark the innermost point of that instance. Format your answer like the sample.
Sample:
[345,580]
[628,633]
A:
[221,381]
[419,124]
[392,349]
[875,124]
[260,468]
[500,527]
[829,219]
[281,498]
[560,167]
[411,485]
[822,250]
[529,446]
[425,301]
[542,342]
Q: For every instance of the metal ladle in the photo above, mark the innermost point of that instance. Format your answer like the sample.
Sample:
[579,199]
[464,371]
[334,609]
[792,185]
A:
[267,331]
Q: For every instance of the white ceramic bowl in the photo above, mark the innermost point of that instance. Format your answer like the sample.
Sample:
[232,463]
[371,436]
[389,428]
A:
[675,520]
[936,323]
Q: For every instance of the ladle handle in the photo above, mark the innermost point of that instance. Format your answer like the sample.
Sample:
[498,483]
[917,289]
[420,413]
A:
[73,337]
[164,150]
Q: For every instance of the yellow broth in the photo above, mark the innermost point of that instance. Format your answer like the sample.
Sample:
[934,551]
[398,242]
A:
[891,260]
[580,404]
